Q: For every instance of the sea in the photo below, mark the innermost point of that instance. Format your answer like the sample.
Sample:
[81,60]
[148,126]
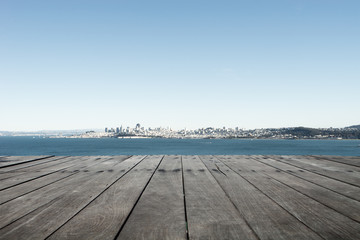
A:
[25,146]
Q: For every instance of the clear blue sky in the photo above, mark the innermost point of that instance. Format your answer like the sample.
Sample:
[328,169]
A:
[179,63]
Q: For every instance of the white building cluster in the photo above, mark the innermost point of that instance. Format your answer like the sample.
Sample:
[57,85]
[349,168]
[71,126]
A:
[269,133]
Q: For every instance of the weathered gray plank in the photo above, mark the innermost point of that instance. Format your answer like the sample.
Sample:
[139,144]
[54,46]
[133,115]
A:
[160,212]
[90,177]
[265,217]
[25,187]
[344,205]
[210,213]
[37,168]
[23,166]
[39,223]
[35,172]
[22,189]
[103,217]
[96,198]
[323,220]
[6,161]
[349,160]
[334,170]
[328,164]
[329,183]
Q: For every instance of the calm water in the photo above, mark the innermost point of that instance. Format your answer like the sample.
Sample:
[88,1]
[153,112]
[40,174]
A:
[113,146]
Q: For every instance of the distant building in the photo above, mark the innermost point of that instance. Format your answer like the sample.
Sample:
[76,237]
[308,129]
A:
[106,129]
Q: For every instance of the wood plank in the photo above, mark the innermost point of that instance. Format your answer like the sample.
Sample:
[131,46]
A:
[226,197]
[328,164]
[21,206]
[26,187]
[39,223]
[210,213]
[30,186]
[23,166]
[90,177]
[265,217]
[160,212]
[6,161]
[104,217]
[323,181]
[19,177]
[323,220]
[331,169]
[46,165]
[331,199]
[38,168]
[349,160]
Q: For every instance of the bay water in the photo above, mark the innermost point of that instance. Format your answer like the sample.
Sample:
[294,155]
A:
[21,146]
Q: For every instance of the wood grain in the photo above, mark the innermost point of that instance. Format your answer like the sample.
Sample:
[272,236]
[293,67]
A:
[160,212]
[6,161]
[18,190]
[103,217]
[265,217]
[24,165]
[348,160]
[344,205]
[321,219]
[333,170]
[40,222]
[14,178]
[323,181]
[210,213]
[142,197]
[21,206]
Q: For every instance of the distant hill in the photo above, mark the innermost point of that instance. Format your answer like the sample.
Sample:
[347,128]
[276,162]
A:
[352,132]
[304,131]
[354,126]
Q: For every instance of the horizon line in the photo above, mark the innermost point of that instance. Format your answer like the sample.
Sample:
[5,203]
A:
[97,129]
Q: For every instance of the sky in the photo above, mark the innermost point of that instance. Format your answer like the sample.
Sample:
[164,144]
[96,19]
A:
[179,63]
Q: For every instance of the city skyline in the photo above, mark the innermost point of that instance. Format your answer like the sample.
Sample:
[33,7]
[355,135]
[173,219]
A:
[139,131]
[119,128]
[183,64]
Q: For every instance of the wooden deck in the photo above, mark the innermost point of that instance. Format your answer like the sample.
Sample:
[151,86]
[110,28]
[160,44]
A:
[180,197]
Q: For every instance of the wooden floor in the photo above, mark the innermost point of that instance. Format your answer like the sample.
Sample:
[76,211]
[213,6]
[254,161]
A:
[180,197]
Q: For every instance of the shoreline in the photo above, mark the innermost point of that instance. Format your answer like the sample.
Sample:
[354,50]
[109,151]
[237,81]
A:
[161,137]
